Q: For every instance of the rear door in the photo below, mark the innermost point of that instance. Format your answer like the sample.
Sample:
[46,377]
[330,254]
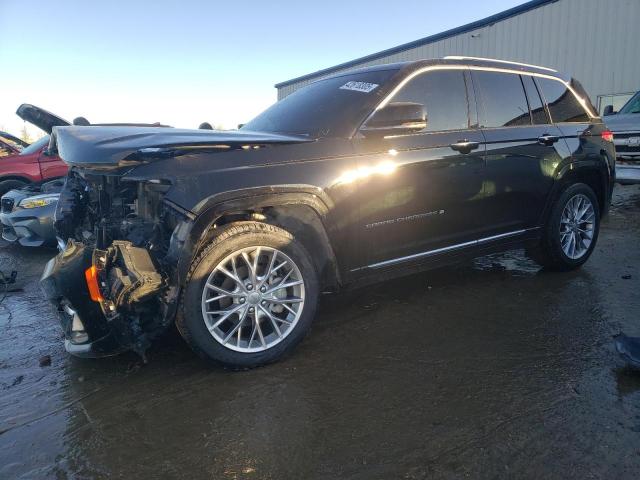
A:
[523,149]
[420,193]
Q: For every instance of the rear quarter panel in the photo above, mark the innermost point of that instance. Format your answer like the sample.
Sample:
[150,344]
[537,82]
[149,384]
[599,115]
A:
[588,150]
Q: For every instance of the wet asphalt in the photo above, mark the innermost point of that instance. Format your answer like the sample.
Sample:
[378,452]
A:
[491,369]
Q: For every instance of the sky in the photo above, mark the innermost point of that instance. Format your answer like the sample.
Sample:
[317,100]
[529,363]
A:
[185,62]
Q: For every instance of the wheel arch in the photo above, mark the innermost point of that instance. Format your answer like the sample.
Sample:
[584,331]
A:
[595,176]
[15,177]
[592,174]
[301,210]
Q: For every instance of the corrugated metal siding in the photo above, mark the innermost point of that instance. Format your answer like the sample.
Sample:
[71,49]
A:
[596,41]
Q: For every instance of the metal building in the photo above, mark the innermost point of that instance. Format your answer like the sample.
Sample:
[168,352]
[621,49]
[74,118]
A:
[596,41]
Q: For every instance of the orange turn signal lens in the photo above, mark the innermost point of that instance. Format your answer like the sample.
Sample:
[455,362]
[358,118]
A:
[91,275]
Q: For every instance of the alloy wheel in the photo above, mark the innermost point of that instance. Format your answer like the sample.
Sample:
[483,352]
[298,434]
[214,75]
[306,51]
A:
[577,226]
[253,299]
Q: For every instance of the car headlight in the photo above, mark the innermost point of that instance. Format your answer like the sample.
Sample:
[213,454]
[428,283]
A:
[38,201]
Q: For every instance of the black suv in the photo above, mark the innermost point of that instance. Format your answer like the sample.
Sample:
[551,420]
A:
[354,178]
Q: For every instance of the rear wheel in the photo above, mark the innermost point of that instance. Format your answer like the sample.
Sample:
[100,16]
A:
[250,297]
[572,230]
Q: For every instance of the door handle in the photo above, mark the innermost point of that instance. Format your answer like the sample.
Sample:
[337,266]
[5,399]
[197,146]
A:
[464,146]
[548,139]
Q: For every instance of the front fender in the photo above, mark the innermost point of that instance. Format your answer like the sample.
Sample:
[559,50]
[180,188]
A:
[192,230]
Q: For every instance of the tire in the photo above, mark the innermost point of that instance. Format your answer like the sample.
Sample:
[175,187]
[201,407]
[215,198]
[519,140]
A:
[551,254]
[200,310]
[6,185]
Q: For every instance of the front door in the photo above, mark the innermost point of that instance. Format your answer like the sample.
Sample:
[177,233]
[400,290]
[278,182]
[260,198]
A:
[51,166]
[420,193]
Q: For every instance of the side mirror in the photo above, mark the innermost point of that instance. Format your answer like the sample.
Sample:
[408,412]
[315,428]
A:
[608,110]
[396,119]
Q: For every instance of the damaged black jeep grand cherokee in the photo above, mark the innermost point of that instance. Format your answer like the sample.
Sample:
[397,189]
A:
[354,178]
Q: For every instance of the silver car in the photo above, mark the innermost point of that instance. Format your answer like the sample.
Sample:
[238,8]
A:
[625,126]
[26,214]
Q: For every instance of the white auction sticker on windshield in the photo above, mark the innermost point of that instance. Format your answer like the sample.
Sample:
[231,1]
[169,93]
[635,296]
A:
[363,87]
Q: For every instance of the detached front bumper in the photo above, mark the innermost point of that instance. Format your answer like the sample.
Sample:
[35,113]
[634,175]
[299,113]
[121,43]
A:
[64,284]
[107,313]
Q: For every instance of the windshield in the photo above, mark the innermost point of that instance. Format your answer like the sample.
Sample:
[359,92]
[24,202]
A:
[35,146]
[327,108]
[633,105]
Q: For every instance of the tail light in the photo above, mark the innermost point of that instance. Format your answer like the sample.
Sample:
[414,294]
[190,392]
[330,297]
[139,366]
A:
[91,275]
[607,136]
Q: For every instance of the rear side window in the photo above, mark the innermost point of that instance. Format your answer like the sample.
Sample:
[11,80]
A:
[563,105]
[538,112]
[502,99]
[444,95]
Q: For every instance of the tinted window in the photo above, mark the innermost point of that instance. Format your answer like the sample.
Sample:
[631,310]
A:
[444,95]
[538,112]
[502,99]
[563,105]
[334,107]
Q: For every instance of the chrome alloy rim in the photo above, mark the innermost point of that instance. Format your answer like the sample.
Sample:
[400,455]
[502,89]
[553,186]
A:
[577,226]
[253,299]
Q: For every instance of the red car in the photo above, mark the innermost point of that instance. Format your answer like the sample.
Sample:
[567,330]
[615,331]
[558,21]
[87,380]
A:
[21,164]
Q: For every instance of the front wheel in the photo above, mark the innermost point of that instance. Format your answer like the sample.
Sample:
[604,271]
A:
[250,296]
[571,233]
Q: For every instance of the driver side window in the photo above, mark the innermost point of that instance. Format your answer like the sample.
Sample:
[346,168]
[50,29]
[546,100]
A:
[444,96]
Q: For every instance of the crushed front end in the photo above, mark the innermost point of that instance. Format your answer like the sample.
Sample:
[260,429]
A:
[110,282]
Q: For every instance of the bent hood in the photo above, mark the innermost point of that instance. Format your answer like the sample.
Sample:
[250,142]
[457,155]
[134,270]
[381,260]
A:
[109,147]
[39,117]
[621,122]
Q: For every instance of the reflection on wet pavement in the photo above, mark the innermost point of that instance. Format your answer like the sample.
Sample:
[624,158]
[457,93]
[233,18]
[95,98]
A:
[491,369]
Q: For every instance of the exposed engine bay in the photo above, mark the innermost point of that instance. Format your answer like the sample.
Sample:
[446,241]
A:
[124,229]
[97,210]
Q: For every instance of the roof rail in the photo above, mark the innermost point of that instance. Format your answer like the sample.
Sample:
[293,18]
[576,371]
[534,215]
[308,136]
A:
[462,57]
